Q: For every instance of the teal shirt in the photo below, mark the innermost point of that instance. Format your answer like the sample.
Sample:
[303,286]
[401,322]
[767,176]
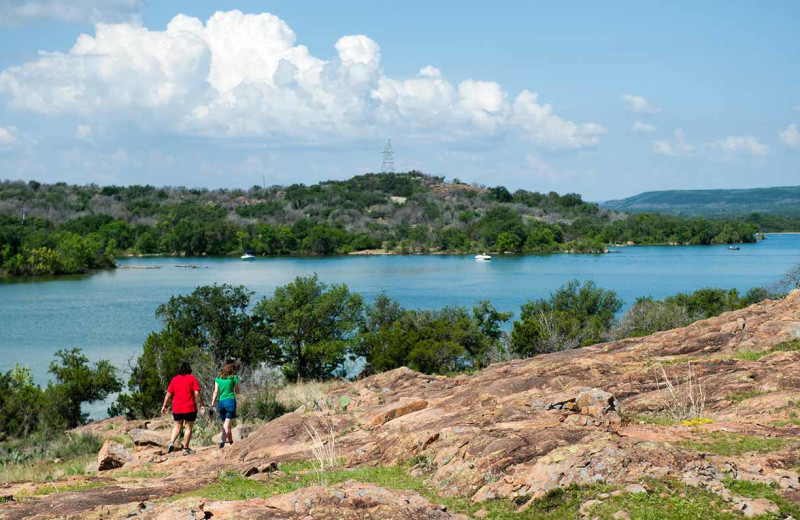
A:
[227,387]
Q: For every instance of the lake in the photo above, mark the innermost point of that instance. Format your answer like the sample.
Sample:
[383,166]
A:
[109,314]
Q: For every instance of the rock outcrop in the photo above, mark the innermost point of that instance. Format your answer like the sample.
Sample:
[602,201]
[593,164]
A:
[112,455]
[519,429]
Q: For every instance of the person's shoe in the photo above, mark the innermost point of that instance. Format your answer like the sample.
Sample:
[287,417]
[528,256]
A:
[171,448]
[230,442]
[188,451]
[221,444]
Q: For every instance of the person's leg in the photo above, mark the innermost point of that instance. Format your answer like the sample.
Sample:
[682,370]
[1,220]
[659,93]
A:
[222,419]
[176,431]
[226,426]
[187,435]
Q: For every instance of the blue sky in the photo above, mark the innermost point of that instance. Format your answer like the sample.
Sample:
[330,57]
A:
[606,100]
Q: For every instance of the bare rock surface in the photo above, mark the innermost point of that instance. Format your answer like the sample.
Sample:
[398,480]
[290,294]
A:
[112,455]
[514,431]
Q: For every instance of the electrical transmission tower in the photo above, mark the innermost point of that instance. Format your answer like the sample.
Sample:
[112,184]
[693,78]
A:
[387,166]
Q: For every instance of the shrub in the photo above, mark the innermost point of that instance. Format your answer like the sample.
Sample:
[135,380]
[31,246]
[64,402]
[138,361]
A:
[577,314]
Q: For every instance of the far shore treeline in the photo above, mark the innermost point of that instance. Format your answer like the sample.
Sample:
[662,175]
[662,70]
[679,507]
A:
[71,229]
[308,330]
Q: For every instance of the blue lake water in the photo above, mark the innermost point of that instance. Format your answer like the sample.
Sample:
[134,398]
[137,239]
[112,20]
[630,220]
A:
[109,314]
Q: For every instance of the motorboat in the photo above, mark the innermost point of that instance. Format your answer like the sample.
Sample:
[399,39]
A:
[248,256]
[733,248]
[483,257]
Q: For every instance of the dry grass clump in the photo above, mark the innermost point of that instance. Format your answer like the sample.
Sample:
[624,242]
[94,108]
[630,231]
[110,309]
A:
[684,401]
[323,447]
[294,395]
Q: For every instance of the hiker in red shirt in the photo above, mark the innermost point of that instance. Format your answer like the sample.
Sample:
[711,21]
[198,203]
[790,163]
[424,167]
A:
[183,389]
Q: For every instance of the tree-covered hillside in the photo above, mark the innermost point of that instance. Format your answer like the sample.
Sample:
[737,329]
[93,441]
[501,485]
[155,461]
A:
[73,228]
[784,201]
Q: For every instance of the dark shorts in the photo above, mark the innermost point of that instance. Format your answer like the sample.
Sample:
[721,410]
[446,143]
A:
[227,409]
[188,417]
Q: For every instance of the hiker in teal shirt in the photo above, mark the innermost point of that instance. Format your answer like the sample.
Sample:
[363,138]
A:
[226,386]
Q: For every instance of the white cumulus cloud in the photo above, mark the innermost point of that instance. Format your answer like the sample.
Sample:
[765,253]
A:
[742,145]
[676,147]
[21,11]
[639,105]
[639,126]
[84,132]
[8,138]
[790,137]
[245,75]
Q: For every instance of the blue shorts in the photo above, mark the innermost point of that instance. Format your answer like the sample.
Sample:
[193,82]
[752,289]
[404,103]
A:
[227,409]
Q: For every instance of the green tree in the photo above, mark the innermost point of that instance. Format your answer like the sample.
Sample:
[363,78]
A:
[215,319]
[313,326]
[577,314]
[77,383]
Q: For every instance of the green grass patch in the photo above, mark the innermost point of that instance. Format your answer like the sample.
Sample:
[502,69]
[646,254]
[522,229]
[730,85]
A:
[54,487]
[730,444]
[743,395]
[679,502]
[651,418]
[759,490]
[786,346]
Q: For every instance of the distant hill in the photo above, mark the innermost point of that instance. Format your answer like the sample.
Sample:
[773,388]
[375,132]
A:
[784,200]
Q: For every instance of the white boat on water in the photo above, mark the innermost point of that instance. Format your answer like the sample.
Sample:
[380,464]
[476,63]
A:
[248,256]
[483,257]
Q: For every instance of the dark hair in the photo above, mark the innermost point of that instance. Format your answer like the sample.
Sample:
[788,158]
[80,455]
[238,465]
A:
[228,370]
[185,369]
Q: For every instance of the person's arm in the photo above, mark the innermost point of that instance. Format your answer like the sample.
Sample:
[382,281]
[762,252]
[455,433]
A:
[166,401]
[199,397]
[236,386]
[214,397]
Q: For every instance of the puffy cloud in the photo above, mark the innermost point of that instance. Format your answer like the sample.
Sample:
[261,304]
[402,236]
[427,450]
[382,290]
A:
[20,11]
[548,129]
[8,138]
[639,105]
[639,126]
[744,145]
[244,75]
[677,147]
[84,132]
[790,137]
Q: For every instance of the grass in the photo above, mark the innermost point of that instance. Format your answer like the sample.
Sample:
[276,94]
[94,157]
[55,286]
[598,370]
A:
[678,503]
[294,395]
[37,459]
[743,395]
[786,346]
[730,444]
[57,488]
[759,490]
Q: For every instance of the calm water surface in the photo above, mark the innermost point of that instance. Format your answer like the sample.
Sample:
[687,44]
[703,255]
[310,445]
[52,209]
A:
[109,314]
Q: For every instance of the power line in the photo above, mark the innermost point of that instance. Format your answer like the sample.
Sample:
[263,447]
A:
[387,166]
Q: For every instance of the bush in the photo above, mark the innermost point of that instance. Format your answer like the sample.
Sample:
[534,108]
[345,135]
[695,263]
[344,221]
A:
[577,314]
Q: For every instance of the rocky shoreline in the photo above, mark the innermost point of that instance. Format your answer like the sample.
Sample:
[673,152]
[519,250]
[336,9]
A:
[513,433]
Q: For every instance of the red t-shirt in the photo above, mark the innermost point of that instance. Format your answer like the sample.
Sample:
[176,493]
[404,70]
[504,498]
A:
[182,389]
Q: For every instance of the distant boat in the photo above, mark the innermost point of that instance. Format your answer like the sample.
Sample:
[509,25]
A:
[483,257]
[733,248]
[248,256]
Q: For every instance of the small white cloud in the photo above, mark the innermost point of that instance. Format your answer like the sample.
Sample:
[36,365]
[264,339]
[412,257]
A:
[742,145]
[677,147]
[84,133]
[639,105]
[8,138]
[790,137]
[639,126]
[21,11]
